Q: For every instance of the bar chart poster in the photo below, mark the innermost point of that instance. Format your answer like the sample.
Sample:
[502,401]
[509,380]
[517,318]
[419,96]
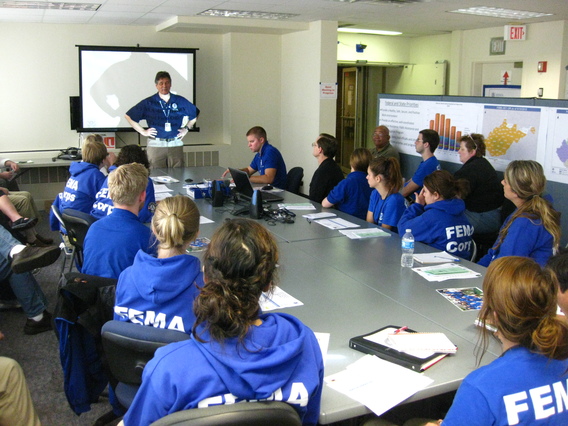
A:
[511,133]
[405,118]
[556,157]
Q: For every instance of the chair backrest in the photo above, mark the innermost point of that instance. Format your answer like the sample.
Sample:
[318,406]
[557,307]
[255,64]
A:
[473,257]
[294,179]
[77,224]
[57,214]
[128,347]
[274,413]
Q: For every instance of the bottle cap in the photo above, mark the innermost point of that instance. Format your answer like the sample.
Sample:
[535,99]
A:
[409,230]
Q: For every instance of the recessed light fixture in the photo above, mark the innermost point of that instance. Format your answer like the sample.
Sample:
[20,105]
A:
[363,31]
[90,7]
[246,14]
[496,12]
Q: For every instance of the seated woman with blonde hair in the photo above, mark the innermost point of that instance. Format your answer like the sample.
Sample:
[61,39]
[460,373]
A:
[159,291]
[533,229]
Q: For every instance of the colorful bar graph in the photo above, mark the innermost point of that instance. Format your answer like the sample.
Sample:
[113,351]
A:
[449,136]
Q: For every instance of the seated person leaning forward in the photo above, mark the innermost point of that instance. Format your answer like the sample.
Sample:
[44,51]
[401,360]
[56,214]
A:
[268,161]
[159,291]
[237,353]
[86,179]
[533,229]
[352,194]
[437,217]
[112,242]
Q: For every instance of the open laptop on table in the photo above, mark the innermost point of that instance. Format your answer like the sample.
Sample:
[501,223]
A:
[244,187]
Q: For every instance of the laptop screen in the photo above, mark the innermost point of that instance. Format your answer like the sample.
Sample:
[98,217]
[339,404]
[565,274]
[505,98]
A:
[242,182]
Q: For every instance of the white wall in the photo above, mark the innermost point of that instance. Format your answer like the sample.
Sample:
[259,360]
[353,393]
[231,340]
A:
[379,48]
[39,73]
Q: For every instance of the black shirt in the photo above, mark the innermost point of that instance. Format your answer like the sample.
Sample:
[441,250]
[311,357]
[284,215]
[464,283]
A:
[325,178]
[486,191]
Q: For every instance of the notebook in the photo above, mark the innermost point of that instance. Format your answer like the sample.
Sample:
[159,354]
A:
[244,187]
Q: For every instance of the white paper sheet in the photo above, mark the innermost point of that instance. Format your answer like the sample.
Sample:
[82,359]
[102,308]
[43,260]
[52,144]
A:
[279,299]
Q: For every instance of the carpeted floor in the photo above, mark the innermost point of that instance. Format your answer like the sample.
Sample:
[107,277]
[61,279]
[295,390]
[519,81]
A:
[39,355]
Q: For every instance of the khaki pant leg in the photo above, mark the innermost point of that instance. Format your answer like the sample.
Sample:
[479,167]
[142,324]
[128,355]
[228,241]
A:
[158,157]
[24,203]
[175,156]
[16,406]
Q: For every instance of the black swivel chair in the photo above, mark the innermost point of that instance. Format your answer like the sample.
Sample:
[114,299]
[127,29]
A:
[127,348]
[77,224]
[294,180]
[274,413]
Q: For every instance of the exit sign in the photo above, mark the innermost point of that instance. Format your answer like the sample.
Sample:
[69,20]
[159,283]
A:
[515,32]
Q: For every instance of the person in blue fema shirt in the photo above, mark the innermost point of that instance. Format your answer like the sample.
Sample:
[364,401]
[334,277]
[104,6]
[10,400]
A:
[268,161]
[425,145]
[528,383]
[437,218]
[169,118]
[237,353]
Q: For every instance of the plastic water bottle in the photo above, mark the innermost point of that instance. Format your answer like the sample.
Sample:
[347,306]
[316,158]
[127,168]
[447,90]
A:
[407,244]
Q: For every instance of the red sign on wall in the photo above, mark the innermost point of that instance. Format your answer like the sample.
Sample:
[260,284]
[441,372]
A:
[515,32]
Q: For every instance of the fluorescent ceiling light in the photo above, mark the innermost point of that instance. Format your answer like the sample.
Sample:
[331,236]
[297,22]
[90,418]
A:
[363,31]
[49,5]
[246,14]
[496,12]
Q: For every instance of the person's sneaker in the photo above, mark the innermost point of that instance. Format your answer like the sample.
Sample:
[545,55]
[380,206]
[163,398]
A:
[36,327]
[31,258]
[45,240]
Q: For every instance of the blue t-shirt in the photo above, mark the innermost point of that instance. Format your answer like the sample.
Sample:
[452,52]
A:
[279,360]
[103,205]
[387,211]
[525,237]
[520,387]
[352,195]
[112,243]
[270,158]
[424,169]
[157,113]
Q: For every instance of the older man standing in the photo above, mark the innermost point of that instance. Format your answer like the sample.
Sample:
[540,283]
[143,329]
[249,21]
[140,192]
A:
[383,147]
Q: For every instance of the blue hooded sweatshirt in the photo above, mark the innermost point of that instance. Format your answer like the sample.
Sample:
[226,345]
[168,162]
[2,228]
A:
[103,204]
[280,360]
[159,292]
[442,225]
[80,190]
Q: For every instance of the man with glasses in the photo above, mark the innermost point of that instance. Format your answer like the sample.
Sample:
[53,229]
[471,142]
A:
[426,143]
[329,173]
[383,147]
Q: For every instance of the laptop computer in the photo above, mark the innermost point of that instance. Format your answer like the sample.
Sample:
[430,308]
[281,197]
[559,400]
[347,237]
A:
[244,187]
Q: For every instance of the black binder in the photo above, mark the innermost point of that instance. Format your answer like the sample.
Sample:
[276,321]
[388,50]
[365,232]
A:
[359,343]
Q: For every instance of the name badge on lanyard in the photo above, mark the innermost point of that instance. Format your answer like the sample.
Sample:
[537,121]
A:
[166,109]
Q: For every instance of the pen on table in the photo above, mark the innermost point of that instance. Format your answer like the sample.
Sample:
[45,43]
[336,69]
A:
[309,220]
[401,329]
[453,259]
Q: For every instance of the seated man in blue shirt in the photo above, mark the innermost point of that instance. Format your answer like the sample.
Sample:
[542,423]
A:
[426,143]
[268,161]
[113,241]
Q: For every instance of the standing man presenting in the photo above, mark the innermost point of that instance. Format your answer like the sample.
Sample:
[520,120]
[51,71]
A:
[169,117]
[383,147]
[268,161]
[426,143]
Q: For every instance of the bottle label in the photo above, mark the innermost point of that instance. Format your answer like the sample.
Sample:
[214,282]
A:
[408,245]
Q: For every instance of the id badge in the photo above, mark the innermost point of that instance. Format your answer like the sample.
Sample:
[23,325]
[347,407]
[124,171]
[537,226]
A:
[168,127]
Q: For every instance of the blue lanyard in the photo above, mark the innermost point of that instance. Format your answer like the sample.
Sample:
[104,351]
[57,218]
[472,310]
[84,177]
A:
[165,107]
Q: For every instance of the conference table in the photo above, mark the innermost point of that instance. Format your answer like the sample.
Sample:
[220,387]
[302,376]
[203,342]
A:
[351,287]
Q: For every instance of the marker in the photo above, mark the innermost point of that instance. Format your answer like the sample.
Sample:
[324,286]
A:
[401,329]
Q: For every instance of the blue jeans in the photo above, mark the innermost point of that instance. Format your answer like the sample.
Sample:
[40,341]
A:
[485,222]
[24,286]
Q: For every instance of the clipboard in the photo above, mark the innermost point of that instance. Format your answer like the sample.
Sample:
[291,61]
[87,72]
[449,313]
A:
[363,344]
[18,174]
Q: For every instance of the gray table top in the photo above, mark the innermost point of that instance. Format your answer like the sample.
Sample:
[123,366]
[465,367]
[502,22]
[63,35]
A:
[352,287]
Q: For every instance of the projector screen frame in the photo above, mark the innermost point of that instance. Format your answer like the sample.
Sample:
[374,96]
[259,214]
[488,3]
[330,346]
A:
[150,84]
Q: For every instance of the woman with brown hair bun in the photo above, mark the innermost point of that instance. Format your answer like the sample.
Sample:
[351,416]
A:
[528,383]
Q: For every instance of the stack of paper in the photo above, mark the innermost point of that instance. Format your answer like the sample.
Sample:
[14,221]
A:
[446,271]
[278,299]
[422,342]
[297,206]
[377,384]
[437,257]
[356,234]
[337,223]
